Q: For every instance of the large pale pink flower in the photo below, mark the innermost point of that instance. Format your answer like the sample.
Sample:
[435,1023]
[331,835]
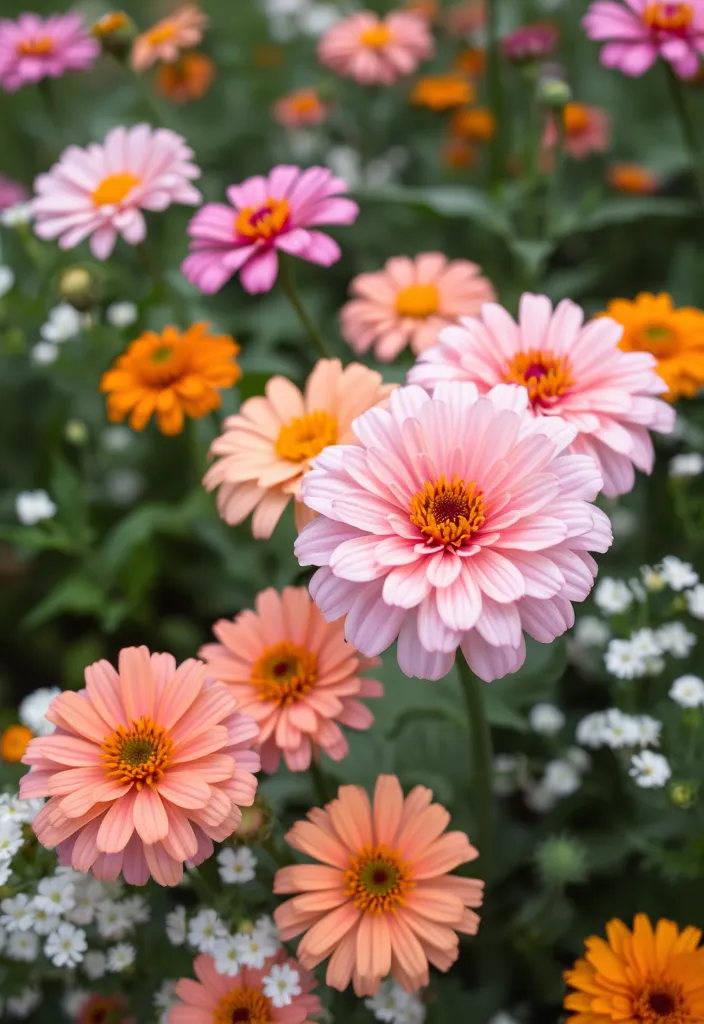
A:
[267,215]
[33,48]
[637,32]
[376,51]
[459,521]
[101,191]
[145,769]
[569,370]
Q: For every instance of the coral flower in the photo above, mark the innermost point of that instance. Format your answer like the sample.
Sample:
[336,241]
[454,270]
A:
[146,768]
[471,61]
[382,900]
[301,108]
[428,9]
[568,370]
[466,18]
[442,92]
[458,522]
[171,374]
[100,191]
[180,31]
[587,130]
[221,999]
[267,215]
[654,976]
[675,337]
[268,446]
[295,675]
[530,43]
[633,178]
[409,302]
[376,51]
[33,48]
[188,78]
[476,124]
[459,153]
[13,743]
[637,32]
[11,192]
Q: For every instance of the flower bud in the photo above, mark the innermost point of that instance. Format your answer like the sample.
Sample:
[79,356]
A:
[76,432]
[116,32]
[256,825]
[683,794]
[79,286]
[560,860]
[552,92]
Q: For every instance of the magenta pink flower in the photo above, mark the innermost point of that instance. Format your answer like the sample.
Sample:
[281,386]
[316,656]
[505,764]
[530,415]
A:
[458,521]
[33,48]
[267,214]
[11,192]
[376,51]
[530,42]
[569,371]
[639,31]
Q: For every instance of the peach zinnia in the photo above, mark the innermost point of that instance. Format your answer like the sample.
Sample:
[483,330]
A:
[294,673]
[300,108]
[376,51]
[147,767]
[381,901]
[587,130]
[187,78]
[268,446]
[165,40]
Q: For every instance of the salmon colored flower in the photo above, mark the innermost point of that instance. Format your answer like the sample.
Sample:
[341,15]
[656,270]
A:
[97,1009]
[381,899]
[587,130]
[471,61]
[13,743]
[146,769]
[171,374]
[267,448]
[294,673]
[633,178]
[33,48]
[459,153]
[637,32]
[165,40]
[246,996]
[409,302]
[442,92]
[188,78]
[475,124]
[376,51]
[301,108]
[650,975]
[428,9]
[466,17]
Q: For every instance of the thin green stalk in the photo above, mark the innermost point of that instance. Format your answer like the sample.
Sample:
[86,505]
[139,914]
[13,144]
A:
[482,762]
[552,198]
[320,783]
[288,284]
[689,130]
[202,888]
[495,95]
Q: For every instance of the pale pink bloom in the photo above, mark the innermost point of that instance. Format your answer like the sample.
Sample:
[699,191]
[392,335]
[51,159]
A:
[587,130]
[295,674]
[181,30]
[571,371]
[11,192]
[637,32]
[33,48]
[375,51]
[147,767]
[100,191]
[267,215]
[530,42]
[409,302]
[458,521]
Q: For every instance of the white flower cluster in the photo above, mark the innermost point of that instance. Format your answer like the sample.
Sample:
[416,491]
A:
[642,654]
[32,507]
[614,728]
[33,708]
[393,1005]
[561,778]
[20,1005]
[64,323]
[14,813]
[686,464]
[236,866]
[695,601]
[688,692]
[205,932]
[290,18]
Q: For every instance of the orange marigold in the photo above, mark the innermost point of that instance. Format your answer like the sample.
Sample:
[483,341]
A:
[442,92]
[188,78]
[476,124]
[632,178]
[13,743]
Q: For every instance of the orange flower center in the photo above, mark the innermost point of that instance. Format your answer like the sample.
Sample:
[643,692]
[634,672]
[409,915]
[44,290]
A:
[377,880]
[111,22]
[631,178]
[262,223]
[305,101]
[662,1002]
[376,36]
[448,513]
[139,754]
[243,1006]
[669,17]
[161,33]
[114,188]
[659,339]
[546,375]
[576,118]
[284,673]
[37,46]
[306,436]
[418,301]
[13,743]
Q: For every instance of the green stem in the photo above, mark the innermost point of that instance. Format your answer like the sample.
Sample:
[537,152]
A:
[482,761]
[688,129]
[280,857]
[495,95]
[320,783]
[288,284]
[202,888]
[552,197]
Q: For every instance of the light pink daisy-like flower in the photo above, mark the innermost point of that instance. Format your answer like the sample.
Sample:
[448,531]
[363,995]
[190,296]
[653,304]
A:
[637,32]
[459,521]
[11,192]
[100,191]
[267,215]
[376,51]
[33,48]
[410,301]
[587,130]
[568,370]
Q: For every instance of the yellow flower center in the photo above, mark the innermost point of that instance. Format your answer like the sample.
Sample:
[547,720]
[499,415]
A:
[111,22]
[114,188]
[669,17]
[376,36]
[262,222]
[377,880]
[448,513]
[546,375]
[418,301]
[306,436]
[659,339]
[284,673]
[662,1002]
[139,754]
[243,1006]
[38,46]
[576,118]
[161,33]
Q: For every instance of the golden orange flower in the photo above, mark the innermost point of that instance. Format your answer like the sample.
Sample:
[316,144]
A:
[645,975]
[442,92]
[475,124]
[188,78]
[632,178]
[13,743]
[165,40]
[471,62]
[674,336]
[171,374]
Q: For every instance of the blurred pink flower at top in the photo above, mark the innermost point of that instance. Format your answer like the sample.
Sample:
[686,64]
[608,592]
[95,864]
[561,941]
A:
[100,191]
[637,32]
[587,130]
[164,41]
[11,192]
[33,48]
[467,17]
[267,214]
[376,51]
[530,42]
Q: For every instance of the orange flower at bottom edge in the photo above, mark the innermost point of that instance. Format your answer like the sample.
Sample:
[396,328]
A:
[171,374]
[633,178]
[442,92]
[13,743]
[188,78]
[652,976]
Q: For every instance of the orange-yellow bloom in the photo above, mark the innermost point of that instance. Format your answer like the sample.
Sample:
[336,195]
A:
[442,92]
[633,178]
[13,743]
[649,976]
[188,78]
[164,41]
[475,124]
[171,374]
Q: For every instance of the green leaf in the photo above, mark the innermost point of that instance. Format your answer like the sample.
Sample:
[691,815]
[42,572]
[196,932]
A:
[68,491]
[36,538]
[625,211]
[78,595]
[500,714]
[533,254]
[449,201]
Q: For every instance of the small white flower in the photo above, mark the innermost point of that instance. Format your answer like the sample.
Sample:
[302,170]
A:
[44,353]
[226,957]
[265,928]
[645,643]
[546,719]
[116,439]
[17,215]
[561,777]
[7,280]
[650,770]
[5,873]
[317,19]
[613,596]
[281,984]
[620,730]
[204,931]
[236,866]
[254,949]
[503,1018]
[89,893]
[55,895]
[639,591]
[688,692]
[44,922]
[112,919]
[22,1005]
[136,909]
[390,1001]
[17,913]
[590,631]
[623,662]
[653,581]
[649,730]
[121,314]
[590,731]
[120,957]
[33,507]
[66,946]
[123,485]
[505,767]
[677,574]
[20,811]
[74,1001]
[540,799]
[11,839]
[165,999]
[579,758]
[687,464]
[22,946]
[64,323]
[176,926]
[413,1014]
[95,964]
[675,638]
[695,601]
[33,708]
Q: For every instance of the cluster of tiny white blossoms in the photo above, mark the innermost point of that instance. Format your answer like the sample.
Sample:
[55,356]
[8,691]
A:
[14,813]
[616,729]
[393,1005]
[64,323]
[32,507]
[642,654]
[236,866]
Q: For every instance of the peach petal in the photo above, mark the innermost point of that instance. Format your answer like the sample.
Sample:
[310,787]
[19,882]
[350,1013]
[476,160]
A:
[150,818]
[136,683]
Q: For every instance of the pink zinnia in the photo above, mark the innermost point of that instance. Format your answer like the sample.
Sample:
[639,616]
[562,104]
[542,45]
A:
[587,130]
[146,769]
[376,51]
[267,214]
[11,193]
[295,674]
[530,42]
[458,522]
[568,370]
[33,48]
[409,302]
[101,191]
[640,31]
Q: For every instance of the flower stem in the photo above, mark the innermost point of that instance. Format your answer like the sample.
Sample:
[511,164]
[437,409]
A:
[288,284]
[495,95]
[482,761]
[202,888]
[688,129]
[552,198]
[320,782]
